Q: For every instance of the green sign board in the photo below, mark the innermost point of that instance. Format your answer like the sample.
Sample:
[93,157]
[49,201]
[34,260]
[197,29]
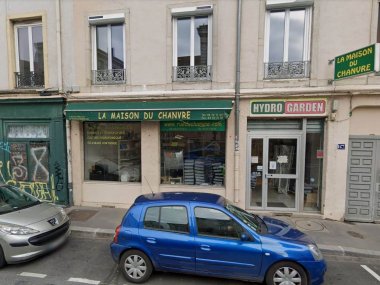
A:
[208,110]
[193,126]
[357,62]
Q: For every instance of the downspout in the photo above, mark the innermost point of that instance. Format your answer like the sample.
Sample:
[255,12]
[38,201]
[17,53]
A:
[237,107]
[60,87]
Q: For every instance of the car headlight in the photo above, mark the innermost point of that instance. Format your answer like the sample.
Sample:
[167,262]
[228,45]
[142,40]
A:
[317,254]
[16,230]
[63,214]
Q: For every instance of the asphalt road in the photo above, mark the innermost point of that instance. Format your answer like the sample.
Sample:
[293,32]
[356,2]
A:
[88,261]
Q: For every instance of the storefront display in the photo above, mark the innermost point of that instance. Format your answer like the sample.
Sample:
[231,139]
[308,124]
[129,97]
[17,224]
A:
[113,151]
[193,158]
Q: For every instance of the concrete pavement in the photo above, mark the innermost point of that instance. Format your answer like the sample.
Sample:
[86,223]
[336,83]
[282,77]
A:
[332,237]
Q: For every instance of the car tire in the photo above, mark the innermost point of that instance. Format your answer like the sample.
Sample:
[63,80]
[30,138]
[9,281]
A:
[2,258]
[286,271]
[135,266]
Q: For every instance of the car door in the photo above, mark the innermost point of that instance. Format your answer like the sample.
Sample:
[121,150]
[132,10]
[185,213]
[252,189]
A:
[220,249]
[166,233]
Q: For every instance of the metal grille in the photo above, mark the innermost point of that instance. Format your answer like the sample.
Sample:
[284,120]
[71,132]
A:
[29,79]
[287,70]
[192,73]
[109,76]
[50,236]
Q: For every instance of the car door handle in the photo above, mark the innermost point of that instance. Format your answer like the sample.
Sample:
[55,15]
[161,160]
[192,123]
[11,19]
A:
[205,247]
[151,240]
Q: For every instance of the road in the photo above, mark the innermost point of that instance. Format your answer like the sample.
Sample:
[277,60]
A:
[87,261]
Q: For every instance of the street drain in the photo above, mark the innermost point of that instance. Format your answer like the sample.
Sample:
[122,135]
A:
[310,225]
[355,234]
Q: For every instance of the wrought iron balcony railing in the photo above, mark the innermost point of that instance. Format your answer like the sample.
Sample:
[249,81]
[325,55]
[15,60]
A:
[109,76]
[192,73]
[287,70]
[29,79]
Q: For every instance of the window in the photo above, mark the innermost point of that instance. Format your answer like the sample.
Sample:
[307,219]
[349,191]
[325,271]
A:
[113,151]
[192,44]
[167,218]
[193,158]
[108,51]
[29,56]
[212,222]
[287,52]
[28,149]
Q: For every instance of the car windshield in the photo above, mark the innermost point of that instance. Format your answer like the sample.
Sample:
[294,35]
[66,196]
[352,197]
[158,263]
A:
[251,220]
[13,199]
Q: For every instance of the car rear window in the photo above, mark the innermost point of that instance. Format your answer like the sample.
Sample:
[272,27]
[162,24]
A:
[167,218]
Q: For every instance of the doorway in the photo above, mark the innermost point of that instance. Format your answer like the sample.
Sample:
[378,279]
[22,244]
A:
[274,170]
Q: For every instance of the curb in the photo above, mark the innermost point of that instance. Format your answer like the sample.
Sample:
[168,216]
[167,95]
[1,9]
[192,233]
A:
[348,251]
[326,249]
[92,232]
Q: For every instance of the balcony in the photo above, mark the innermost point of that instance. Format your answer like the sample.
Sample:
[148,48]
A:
[287,70]
[192,73]
[29,79]
[108,76]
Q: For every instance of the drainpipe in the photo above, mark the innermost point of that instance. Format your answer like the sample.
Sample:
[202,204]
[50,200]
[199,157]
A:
[237,106]
[60,87]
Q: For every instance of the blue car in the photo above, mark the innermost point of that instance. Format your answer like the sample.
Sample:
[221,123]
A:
[205,234]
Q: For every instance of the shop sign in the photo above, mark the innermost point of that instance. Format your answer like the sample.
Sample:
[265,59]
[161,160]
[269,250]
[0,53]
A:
[310,107]
[213,110]
[193,126]
[357,62]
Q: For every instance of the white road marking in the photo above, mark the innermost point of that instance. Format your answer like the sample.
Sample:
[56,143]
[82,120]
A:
[370,271]
[30,274]
[83,280]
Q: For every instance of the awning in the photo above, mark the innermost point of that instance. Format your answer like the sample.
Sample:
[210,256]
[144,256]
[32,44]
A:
[196,110]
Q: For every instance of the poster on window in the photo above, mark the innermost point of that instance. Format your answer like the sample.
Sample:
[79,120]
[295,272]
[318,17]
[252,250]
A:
[18,161]
[39,161]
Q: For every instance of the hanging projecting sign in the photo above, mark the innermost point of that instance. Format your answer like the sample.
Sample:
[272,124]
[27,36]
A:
[358,62]
[288,108]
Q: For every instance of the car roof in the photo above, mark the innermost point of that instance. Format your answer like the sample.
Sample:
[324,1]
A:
[181,197]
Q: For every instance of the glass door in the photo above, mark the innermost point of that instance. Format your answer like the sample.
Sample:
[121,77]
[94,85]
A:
[274,174]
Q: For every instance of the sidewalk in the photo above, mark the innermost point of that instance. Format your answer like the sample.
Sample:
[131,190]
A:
[338,238]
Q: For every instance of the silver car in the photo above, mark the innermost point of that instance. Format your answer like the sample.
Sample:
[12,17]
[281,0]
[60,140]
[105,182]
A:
[28,227]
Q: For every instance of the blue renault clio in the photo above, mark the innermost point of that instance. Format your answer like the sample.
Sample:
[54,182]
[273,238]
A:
[205,234]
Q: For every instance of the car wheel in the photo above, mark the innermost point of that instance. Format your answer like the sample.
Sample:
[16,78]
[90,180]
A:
[2,258]
[136,266]
[288,273]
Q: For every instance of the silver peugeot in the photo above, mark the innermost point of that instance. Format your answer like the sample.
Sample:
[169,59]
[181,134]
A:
[28,227]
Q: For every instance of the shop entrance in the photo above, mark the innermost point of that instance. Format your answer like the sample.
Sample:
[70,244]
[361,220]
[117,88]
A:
[274,171]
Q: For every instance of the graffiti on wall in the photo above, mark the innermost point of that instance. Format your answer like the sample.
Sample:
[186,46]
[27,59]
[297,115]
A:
[31,176]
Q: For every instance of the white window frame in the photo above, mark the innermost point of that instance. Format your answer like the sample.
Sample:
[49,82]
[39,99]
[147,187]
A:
[307,33]
[192,37]
[30,43]
[109,45]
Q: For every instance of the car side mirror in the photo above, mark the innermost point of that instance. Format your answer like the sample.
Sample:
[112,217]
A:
[244,237]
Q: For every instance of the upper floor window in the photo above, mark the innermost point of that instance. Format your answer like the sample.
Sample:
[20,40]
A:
[192,36]
[29,56]
[108,49]
[287,46]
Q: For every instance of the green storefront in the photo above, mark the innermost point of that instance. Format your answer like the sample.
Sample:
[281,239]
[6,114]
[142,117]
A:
[33,147]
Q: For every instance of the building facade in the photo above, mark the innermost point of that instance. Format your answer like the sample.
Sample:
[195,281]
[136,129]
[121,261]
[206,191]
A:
[230,97]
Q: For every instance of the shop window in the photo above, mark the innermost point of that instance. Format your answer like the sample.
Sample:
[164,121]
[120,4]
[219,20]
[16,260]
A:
[313,165]
[192,36]
[193,157]
[28,152]
[287,45]
[112,151]
[29,56]
[108,49]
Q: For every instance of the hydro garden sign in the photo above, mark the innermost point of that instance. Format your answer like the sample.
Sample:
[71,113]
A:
[358,62]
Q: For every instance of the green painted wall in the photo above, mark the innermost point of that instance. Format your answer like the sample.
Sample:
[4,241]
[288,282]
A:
[50,185]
